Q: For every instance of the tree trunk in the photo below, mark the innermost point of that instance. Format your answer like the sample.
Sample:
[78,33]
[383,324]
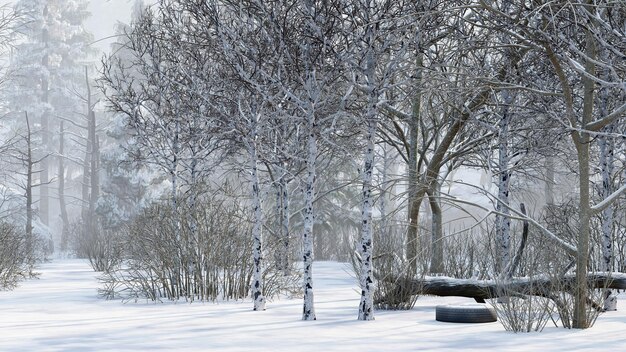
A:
[415,200]
[581,296]
[365,245]
[29,189]
[308,312]
[607,158]
[503,221]
[282,211]
[175,279]
[85,215]
[61,177]
[384,197]
[606,166]
[44,193]
[94,179]
[436,261]
[257,232]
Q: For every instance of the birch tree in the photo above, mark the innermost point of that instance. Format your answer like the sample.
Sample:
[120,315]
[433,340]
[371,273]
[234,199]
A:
[375,58]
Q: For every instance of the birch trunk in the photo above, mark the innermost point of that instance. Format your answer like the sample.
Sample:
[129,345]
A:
[365,247]
[384,193]
[607,158]
[286,234]
[257,233]
[173,169]
[308,312]
[366,278]
[282,210]
[503,221]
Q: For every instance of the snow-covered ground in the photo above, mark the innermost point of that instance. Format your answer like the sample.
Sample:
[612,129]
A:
[60,311]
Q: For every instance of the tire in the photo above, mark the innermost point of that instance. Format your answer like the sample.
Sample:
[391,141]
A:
[471,313]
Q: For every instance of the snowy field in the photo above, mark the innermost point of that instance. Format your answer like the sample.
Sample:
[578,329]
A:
[60,311]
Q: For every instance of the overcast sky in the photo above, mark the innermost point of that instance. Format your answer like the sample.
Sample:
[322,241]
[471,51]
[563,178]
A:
[104,15]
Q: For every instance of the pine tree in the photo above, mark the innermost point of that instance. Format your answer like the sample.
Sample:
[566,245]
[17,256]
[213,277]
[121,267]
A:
[48,67]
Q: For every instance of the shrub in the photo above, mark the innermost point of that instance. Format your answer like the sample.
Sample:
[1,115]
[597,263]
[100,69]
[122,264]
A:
[202,253]
[18,255]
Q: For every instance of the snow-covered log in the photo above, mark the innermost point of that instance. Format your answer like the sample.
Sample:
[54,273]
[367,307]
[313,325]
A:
[485,289]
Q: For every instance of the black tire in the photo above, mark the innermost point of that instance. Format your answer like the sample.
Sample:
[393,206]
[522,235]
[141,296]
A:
[474,313]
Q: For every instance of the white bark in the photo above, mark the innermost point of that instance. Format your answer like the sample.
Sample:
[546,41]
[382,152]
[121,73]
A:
[503,221]
[365,246]
[366,278]
[173,169]
[606,166]
[257,228]
[257,232]
[308,311]
[285,226]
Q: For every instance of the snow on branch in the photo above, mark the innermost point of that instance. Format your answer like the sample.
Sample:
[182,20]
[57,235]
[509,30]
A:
[608,200]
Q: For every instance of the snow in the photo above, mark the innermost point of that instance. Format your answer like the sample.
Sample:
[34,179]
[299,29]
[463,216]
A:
[60,311]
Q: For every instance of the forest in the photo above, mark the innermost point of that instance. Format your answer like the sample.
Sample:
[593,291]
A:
[221,149]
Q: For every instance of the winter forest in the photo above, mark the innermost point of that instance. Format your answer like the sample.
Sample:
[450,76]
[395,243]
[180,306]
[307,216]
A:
[219,152]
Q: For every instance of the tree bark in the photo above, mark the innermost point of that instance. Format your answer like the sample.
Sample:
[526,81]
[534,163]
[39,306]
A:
[282,212]
[94,179]
[257,232]
[308,311]
[61,177]
[415,200]
[44,177]
[580,319]
[29,188]
[436,261]
[503,221]
[365,245]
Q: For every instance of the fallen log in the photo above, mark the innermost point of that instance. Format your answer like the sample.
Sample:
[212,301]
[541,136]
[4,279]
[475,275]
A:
[486,289]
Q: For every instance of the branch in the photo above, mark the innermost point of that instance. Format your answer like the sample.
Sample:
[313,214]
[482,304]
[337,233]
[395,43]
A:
[608,200]
[570,249]
[607,120]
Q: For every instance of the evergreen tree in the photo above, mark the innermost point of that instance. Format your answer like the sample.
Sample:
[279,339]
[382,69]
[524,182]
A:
[49,66]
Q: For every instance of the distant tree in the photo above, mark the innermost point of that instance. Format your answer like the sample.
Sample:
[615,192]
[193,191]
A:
[47,68]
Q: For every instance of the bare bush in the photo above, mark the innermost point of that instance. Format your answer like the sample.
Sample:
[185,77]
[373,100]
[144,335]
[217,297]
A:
[466,255]
[18,255]
[202,253]
[523,312]
[102,247]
